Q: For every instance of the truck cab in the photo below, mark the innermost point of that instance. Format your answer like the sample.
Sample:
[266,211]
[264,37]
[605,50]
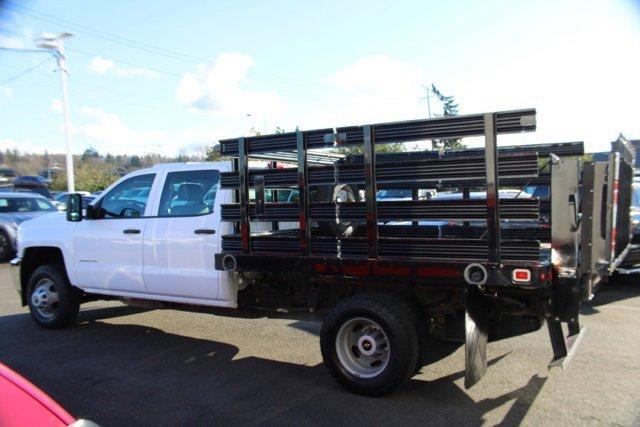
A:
[150,235]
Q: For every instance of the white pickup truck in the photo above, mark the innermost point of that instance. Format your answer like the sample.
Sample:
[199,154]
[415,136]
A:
[151,235]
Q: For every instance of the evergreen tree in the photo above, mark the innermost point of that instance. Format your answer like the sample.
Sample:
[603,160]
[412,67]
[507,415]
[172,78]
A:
[134,161]
[449,109]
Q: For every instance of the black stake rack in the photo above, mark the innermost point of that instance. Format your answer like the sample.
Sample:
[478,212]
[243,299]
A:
[487,167]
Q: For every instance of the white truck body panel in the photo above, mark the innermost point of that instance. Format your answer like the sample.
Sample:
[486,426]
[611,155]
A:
[164,261]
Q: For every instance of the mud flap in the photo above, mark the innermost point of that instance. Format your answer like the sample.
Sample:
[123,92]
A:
[477,332]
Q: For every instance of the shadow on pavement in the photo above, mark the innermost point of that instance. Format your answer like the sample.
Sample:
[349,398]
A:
[619,288]
[133,374]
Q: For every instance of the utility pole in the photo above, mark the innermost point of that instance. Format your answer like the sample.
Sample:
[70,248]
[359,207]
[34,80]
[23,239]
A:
[428,97]
[55,44]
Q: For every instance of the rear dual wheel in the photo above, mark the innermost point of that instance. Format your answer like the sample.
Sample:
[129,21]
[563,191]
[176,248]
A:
[370,343]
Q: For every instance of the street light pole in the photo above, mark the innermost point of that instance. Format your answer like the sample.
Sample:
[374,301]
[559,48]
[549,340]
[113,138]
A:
[55,44]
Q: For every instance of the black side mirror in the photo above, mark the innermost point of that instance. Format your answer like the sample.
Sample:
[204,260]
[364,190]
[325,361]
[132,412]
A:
[74,207]
[91,212]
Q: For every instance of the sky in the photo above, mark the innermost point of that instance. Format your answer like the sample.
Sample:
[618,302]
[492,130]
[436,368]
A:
[172,77]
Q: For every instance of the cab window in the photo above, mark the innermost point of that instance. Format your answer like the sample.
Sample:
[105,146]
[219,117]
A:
[189,193]
[128,199]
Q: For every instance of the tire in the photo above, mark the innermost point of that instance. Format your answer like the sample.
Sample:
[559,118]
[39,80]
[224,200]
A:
[5,246]
[421,326]
[374,323]
[50,282]
[337,227]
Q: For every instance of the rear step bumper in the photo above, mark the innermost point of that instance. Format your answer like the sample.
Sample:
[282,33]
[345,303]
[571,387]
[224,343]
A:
[564,347]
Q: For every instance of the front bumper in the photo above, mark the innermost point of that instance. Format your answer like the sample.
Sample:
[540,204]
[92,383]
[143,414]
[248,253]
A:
[15,273]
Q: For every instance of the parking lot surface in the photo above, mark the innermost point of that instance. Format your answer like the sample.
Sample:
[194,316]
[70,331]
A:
[126,366]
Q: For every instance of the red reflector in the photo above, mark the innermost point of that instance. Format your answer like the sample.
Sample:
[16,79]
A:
[521,275]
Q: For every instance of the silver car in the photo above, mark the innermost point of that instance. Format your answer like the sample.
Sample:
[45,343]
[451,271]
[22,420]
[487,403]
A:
[14,209]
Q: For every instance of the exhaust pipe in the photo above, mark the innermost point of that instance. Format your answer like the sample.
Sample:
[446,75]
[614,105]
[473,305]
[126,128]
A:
[229,263]
[475,274]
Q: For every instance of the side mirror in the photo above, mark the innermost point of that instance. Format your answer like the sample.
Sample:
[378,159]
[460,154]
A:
[91,212]
[74,207]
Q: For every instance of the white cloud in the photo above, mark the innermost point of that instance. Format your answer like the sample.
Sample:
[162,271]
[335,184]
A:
[378,74]
[101,65]
[221,89]
[108,133]
[371,89]
[24,146]
[104,66]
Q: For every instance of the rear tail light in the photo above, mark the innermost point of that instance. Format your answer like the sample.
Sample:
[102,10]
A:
[521,275]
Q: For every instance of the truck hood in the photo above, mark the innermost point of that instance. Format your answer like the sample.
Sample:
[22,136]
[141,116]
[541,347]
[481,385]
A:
[41,219]
[19,217]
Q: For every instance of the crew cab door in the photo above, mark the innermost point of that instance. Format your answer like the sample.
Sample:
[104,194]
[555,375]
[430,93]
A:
[108,248]
[181,240]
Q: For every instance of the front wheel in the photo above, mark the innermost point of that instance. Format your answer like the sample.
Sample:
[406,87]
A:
[53,302]
[369,344]
[5,246]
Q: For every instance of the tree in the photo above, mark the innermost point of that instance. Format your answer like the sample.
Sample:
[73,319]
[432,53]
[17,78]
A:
[449,109]
[88,176]
[212,153]
[182,156]
[380,148]
[90,153]
[134,161]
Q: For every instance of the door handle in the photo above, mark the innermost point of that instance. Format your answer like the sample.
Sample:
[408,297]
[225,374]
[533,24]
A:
[204,231]
[131,231]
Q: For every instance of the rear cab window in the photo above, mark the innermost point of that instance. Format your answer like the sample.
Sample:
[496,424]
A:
[189,193]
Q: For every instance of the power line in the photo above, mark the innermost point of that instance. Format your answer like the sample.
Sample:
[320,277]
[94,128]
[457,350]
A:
[130,64]
[100,34]
[27,71]
[15,49]
[84,52]
[123,41]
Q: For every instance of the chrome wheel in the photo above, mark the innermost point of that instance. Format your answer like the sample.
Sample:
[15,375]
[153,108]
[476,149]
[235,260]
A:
[45,298]
[362,347]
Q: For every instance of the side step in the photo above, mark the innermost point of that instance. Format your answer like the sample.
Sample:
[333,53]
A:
[564,347]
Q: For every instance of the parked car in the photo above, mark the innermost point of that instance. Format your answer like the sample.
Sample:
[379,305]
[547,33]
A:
[60,200]
[14,209]
[32,184]
[635,214]
[24,404]
[7,174]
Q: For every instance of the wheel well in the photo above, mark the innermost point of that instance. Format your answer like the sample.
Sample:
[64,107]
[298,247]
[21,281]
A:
[34,258]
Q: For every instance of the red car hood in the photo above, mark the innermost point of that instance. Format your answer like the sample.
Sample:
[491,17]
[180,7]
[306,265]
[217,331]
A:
[23,404]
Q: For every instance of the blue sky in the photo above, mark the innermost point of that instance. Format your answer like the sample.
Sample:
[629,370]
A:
[227,66]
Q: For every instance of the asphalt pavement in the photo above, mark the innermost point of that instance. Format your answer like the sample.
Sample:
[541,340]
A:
[126,366]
